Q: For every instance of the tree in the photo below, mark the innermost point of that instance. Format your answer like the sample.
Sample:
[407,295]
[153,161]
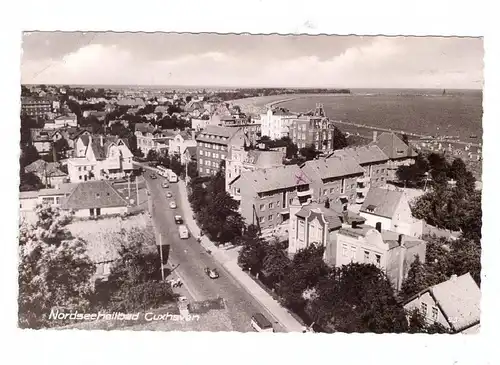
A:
[275,263]
[29,181]
[192,169]
[152,155]
[416,281]
[305,271]
[29,154]
[339,139]
[457,169]
[253,251]
[358,298]
[309,152]
[54,272]
[135,279]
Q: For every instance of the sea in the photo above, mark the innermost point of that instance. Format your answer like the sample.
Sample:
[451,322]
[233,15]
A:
[434,112]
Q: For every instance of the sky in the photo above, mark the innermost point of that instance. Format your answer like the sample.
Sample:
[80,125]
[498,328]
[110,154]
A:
[251,60]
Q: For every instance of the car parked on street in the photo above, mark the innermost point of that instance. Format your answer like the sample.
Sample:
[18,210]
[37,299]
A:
[212,273]
[165,185]
[172,205]
[153,176]
[169,194]
[178,219]
[183,232]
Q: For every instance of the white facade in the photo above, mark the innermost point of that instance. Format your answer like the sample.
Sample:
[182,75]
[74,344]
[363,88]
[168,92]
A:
[275,126]
[86,166]
[85,213]
[179,143]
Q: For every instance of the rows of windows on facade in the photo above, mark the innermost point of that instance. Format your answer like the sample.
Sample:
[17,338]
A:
[368,259]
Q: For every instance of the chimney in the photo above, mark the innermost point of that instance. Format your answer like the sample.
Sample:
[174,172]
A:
[374,136]
[102,140]
[378,227]
[354,224]
[401,239]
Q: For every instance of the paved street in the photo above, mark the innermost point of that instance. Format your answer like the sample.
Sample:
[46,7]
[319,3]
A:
[189,259]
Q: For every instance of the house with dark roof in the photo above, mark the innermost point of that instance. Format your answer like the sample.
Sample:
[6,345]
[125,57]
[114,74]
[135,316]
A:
[99,157]
[94,199]
[399,153]
[313,223]
[265,194]
[455,304]
[375,163]
[392,252]
[49,173]
[334,178]
[391,208]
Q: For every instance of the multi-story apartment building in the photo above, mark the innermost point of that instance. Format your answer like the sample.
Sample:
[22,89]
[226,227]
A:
[151,138]
[373,161]
[240,160]
[265,194]
[399,153]
[35,107]
[313,223]
[276,123]
[213,147]
[316,130]
[334,178]
[391,251]
[99,157]
[67,120]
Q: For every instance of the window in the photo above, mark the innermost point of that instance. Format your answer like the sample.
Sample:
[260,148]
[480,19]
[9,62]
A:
[342,186]
[270,218]
[201,162]
[271,205]
[423,308]
[261,219]
[207,171]
[353,252]
[344,250]
[367,256]
[377,259]
[80,177]
[79,168]
[223,157]
[332,190]
[262,207]
[434,313]
[201,152]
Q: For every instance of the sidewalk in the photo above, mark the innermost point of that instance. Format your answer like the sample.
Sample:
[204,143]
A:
[230,264]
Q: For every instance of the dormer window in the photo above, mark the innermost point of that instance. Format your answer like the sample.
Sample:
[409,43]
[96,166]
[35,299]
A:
[371,208]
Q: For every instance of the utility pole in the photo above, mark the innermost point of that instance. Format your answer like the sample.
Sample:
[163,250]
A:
[137,189]
[161,258]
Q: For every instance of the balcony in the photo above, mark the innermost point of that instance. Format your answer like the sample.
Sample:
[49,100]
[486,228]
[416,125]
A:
[302,193]
[360,199]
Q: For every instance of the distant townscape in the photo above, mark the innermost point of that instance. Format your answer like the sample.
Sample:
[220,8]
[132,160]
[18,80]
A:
[230,212]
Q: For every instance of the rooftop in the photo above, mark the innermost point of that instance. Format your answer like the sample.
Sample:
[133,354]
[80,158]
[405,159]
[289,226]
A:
[389,237]
[363,154]
[393,146]
[94,194]
[273,178]
[332,167]
[382,202]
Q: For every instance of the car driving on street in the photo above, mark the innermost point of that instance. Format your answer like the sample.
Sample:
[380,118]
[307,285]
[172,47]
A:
[169,194]
[178,219]
[183,232]
[153,176]
[172,205]
[165,185]
[212,273]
